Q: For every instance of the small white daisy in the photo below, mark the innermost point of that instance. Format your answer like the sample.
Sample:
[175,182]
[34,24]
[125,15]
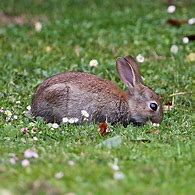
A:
[28,108]
[140,58]
[71,163]
[29,153]
[119,175]
[59,175]
[115,167]
[155,124]
[191,21]
[13,160]
[174,49]
[55,125]
[25,163]
[65,120]
[15,117]
[93,63]
[171,9]
[185,40]
[35,138]
[8,113]
[73,120]
[38,26]
[85,113]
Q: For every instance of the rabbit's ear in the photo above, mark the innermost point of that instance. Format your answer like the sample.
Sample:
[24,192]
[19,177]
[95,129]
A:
[127,72]
[131,61]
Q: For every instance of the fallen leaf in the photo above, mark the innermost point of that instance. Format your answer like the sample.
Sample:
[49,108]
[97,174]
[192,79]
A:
[169,105]
[190,57]
[104,129]
[110,143]
[175,22]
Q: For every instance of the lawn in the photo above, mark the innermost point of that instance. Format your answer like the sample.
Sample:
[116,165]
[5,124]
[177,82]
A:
[48,37]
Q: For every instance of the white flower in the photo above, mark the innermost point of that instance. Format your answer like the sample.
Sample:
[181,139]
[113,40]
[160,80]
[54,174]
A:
[59,175]
[38,26]
[25,130]
[93,63]
[174,49]
[15,117]
[191,21]
[171,9]
[35,138]
[18,102]
[70,120]
[49,125]
[13,160]
[73,120]
[140,58]
[31,124]
[30,154]
[71,162]
[25,163]
[55,125]
[119,175]
[65,120]
[8,113]
[155,124]
[85,113]
[28,108]
[115,167]
[185,40]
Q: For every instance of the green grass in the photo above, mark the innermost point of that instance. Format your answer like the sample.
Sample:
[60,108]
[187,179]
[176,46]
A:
[102,30]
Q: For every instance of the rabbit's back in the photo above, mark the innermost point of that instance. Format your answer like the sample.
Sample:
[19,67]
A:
[67,94]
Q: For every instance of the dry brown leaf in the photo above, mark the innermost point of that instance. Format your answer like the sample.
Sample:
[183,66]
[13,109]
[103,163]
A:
[169,105]
[104,129]
[190,57]
[175,22]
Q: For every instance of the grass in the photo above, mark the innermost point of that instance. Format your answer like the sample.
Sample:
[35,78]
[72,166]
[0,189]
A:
[76,32]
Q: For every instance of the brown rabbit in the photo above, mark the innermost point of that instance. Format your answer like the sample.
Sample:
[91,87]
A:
[66,95]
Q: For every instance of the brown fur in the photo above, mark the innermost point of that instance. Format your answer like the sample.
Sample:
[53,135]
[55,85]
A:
[67,94]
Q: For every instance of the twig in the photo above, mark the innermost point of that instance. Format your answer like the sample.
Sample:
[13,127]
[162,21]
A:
[180,93]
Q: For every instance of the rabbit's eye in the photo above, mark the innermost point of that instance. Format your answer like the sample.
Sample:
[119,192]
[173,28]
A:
[153,106]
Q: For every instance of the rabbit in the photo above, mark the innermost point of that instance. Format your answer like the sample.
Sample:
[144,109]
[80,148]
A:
[67,95]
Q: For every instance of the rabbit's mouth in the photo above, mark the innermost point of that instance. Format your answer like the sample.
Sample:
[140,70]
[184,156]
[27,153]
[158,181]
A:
[138,120]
